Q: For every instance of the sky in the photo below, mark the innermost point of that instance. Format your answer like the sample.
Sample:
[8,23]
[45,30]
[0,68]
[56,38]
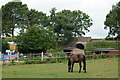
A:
[96,9]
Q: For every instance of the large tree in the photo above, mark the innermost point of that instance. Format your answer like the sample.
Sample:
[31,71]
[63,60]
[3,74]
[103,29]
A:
[37,18]
[13,16]
[36,38]
[67,24]
[113,21]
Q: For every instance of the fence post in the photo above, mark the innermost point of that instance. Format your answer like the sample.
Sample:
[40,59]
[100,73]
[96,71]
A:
[42,56]
[9,56]
[17,56]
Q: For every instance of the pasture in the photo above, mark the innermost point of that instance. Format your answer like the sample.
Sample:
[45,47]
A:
[96,68]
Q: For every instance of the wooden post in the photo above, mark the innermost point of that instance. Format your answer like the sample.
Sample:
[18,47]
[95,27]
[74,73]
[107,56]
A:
[33,56]
[18,57]
[42,56]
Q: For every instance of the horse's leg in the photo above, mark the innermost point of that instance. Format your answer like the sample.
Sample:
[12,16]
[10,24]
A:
[69,65]
[69,68]
[80,66]
[84,63]
[72,66]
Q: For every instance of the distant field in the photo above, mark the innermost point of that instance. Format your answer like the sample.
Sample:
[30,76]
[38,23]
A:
[96,68]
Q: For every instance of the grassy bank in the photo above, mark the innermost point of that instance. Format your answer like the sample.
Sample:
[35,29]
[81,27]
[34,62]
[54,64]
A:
[96,68]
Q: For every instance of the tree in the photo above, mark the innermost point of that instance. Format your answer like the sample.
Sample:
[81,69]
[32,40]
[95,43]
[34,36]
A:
[113,21]
[67,24]
[36,38]
[13,16]
[5,46]
[37,18]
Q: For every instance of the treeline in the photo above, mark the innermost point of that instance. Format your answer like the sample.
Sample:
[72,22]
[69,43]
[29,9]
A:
[39,30]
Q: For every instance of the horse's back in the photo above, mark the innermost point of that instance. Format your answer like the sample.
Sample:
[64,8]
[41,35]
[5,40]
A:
[76,57]
[77,51]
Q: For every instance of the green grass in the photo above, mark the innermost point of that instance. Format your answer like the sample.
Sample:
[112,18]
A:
[96,68]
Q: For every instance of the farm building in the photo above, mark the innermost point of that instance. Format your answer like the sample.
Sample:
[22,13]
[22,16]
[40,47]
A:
[80,42]
[12,46]
[77,45]
[106,51]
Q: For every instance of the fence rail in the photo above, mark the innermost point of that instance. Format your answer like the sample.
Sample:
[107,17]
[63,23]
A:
[87,56]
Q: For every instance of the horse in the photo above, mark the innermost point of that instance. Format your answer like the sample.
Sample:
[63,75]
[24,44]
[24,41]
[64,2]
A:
[76,58]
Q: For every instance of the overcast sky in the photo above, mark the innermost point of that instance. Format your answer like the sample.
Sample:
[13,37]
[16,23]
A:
[96,9]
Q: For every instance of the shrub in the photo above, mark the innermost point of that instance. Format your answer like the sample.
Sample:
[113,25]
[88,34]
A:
[32,62]
[13,62]
[88,53]
[44,61]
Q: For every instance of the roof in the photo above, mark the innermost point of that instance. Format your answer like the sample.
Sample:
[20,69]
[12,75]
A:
[103,49]
[12,43]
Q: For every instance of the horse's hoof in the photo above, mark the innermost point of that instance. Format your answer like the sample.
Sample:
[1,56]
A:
[84,71]
[79,71]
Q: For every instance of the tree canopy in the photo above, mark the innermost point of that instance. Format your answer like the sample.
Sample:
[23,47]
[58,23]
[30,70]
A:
[36,38]
[13,16]
[67,24]
[41,31]
[113,21]
[36,18]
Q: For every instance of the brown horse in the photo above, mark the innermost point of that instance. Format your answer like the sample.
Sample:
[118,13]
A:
[76,58]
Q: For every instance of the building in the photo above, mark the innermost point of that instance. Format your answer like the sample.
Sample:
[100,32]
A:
[79,42]
[76,45]
[12,46]
[106,51]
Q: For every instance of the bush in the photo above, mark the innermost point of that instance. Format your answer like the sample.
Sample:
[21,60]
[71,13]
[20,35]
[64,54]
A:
[32,62]
[59,54]
[88,53]
[13,62]
[44,61]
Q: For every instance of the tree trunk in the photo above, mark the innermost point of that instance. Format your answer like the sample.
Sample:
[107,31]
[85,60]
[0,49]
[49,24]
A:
[12,32]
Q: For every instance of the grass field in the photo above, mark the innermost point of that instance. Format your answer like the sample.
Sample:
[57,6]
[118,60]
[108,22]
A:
[96,68]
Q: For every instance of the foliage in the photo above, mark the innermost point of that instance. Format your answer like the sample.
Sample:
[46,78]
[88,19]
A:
[35,38]
[101,44]
[13,62]
[36,18]
[44,61]
[5,45]
[88,53]
[39,31]
[16,15]
[113,21]
[59,54]
[13,16]
[67,24]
